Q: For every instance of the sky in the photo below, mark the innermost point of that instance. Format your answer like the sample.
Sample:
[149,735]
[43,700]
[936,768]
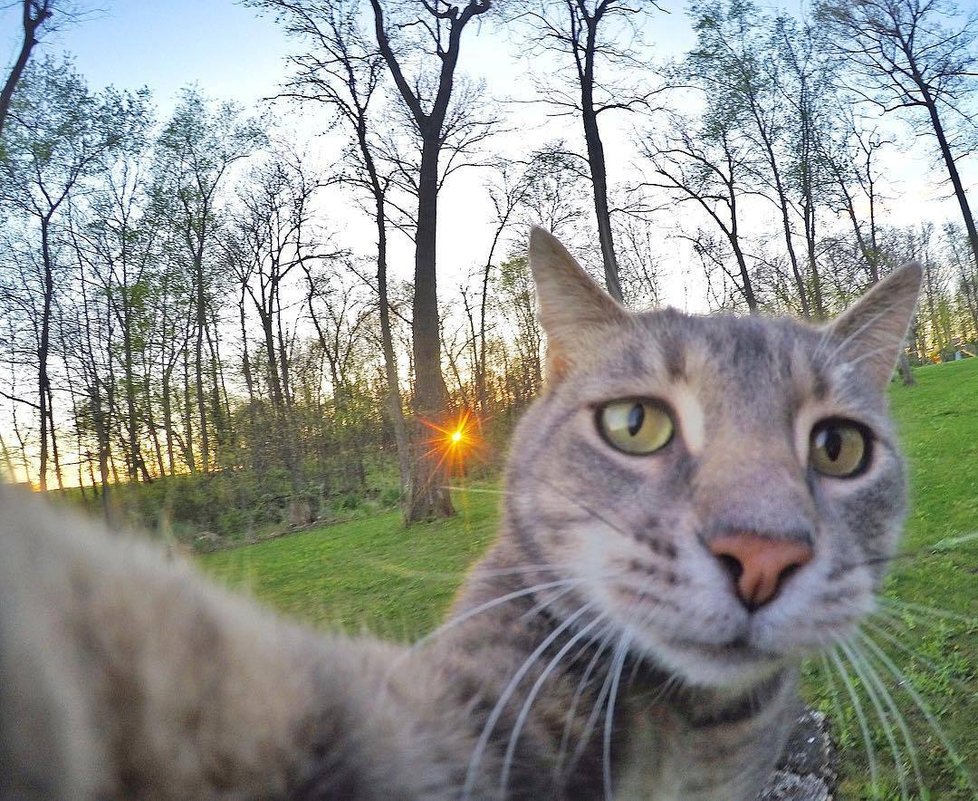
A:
[230,51]
[233,52]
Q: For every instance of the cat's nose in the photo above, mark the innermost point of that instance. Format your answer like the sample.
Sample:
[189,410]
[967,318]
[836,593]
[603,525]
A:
[759,565]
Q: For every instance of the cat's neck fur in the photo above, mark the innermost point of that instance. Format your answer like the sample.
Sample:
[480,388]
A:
[666,741]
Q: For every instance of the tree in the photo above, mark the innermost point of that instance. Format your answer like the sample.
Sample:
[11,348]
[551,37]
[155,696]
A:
[427,97]
[196,149]
[59,135]
[35,14]
[913,55]
[710,172]
[735,64]
[342,70]
[597,36]
[272,237]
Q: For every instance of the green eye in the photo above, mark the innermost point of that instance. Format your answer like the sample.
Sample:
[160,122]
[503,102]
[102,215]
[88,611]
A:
[839,448]
[635,426]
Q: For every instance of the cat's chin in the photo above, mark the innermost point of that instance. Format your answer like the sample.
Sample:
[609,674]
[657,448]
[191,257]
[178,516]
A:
[736,665]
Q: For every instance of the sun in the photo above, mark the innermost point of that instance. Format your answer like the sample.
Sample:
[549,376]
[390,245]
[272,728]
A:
[455,441]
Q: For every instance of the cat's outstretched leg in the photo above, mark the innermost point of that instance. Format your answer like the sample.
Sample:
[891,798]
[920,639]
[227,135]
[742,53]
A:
[123,676]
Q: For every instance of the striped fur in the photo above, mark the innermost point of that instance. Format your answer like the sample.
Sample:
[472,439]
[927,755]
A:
[597,651]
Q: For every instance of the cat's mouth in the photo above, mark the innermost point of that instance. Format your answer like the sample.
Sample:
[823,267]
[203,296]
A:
[739,650]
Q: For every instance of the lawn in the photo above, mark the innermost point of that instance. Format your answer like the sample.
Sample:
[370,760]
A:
[397,582]
[938,570]
[367,574]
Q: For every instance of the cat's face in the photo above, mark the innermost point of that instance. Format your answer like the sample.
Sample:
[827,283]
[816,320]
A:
[663,436]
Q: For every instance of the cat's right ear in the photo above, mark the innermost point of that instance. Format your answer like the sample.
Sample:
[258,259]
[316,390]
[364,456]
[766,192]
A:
[573,308]
[872,332]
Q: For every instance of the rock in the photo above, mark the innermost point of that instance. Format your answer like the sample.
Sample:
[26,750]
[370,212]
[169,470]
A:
[808,769]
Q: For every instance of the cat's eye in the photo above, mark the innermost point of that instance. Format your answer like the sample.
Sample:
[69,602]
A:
[635,426]
[839,448]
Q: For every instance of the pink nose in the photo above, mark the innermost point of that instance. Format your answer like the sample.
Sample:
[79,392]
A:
[759,565]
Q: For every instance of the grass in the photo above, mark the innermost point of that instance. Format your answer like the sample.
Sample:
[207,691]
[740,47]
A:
[397,582]
[370,573]
[938,422]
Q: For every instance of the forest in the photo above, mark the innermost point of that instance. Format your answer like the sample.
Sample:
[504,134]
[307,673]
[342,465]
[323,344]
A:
[191,337]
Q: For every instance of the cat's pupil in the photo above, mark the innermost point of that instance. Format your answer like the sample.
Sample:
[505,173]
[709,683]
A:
[636,416]
[831,443]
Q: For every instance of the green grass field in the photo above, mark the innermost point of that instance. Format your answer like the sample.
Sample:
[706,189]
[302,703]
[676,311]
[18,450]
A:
[397,582]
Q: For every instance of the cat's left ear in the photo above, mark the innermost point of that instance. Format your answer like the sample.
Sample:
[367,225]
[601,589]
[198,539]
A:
[573,308]
[871,333]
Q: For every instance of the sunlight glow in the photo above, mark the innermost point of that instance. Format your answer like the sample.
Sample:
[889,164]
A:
[455,441]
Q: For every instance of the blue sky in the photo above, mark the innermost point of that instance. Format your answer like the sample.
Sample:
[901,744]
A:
[230,51]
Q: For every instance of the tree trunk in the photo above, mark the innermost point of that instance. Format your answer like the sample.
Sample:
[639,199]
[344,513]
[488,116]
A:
[734,238]
[429,491]
[31,24]
[188,417]
[952,168]
[906,374]
[394,404]
[168,419]
[43,380]
[136,464]
[597,166]
[201,323]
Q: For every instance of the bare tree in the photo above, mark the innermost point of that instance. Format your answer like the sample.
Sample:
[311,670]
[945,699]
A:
[35,13]
[428,99]
[708,172]
[342,69]
[598,36]
[913,55]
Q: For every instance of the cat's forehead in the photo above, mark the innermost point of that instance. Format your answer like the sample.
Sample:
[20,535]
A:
[688,346]
[768,363]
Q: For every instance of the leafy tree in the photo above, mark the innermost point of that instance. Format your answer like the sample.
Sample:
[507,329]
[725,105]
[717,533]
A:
[911,56]
[196,149]
[59,135]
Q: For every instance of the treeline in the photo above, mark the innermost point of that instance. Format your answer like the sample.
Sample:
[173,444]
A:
[184,326]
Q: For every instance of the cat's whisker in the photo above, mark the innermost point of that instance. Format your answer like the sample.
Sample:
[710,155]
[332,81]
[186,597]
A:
[829,674]
[895,712]
[857,707]
[879,560]
[497,711]
[861,666]
[544,603]
[531,697]
[870,354]
[612,524]
[905,683]
[827,337]
[482,490]
[595,713]
[605,637]
[618,665]
[485,607]
[949,543]
[927,611]
[913,653]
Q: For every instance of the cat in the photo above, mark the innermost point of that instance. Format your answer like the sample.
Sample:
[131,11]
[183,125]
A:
[691,506]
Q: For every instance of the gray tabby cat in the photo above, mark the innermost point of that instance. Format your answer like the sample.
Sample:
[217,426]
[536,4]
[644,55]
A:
[692,505]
